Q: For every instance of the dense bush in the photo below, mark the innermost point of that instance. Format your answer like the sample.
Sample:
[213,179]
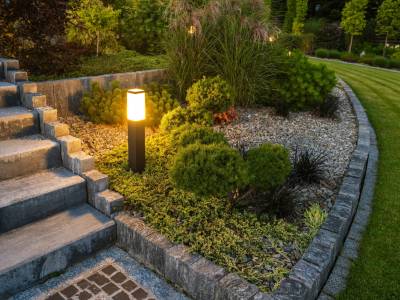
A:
[329,107]
[105,106]
[349,57]
[159,101]
[268,166]
[394,63]
[142,24]
[213,94]
[191,134]
[231,41]
[322,53]
[380,61]
[334,54]
[208,169]
[290,41]
[181,116]
[307,85]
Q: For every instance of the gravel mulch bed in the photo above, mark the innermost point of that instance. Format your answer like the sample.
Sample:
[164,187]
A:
[336,138]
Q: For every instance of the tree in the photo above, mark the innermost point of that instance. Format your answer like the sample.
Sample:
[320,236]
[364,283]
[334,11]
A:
[90,22]
[388,20]
[290,15]
[301,12]
[353,18]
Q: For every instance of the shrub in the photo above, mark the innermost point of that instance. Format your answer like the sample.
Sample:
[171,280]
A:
[380,61]
[268,166]
[181,116]
[213,94]
[290,41]
[306,85]
[349,57]
[308,166]
[334,54]
[367,59]
[323,53]
[314,216]
[142,24]
[159,101]
[191,134]
[394,63]
[208,169]
[329,107]
[105,106]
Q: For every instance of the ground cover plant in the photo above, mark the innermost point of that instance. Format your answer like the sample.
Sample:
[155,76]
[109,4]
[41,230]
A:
[260,247]
[375,274]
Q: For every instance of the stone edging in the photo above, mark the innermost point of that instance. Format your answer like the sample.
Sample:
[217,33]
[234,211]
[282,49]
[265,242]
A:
[203,280]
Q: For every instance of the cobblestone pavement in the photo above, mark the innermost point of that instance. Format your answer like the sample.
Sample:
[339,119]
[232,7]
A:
[110,274]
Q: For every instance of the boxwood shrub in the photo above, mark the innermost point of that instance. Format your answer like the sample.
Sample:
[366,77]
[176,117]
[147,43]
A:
[181,116]
[268,166]
[213,94]
[322,53]
[191,134]
[306,85]
[213,169]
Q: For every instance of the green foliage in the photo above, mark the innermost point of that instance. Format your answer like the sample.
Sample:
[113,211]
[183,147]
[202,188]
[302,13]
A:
[268,166]
[159,101]
[307,85]
[105,106]
[142,24]
[353,18]
[123,61]
[213,169]
[191,134]
[380,61]
[213,94]
[322,53]
[349,57]
[334,54]
[388,18]
[301,12]
[227,41]
[237,240]
[91,23]
[181,116]
[314,216]
[290,15]
[290,41]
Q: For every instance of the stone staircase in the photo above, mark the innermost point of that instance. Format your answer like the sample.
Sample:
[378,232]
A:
[55,208]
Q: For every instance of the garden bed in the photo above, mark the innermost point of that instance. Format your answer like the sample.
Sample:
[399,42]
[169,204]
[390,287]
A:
[259,247]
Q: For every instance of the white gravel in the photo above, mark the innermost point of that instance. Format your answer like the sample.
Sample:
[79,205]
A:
[336,138]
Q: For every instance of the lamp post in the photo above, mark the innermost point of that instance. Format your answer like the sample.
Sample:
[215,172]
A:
[136,107]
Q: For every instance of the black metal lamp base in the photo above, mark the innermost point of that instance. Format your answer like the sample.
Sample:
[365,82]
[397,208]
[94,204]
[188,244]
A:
[136,145]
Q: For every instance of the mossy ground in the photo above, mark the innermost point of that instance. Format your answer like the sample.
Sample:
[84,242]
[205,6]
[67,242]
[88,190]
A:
[260,248]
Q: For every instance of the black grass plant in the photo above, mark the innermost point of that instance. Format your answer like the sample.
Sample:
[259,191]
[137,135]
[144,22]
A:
[328,108]
[308,166]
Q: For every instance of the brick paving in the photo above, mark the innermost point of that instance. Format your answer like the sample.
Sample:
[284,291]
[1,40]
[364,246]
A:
[108,282]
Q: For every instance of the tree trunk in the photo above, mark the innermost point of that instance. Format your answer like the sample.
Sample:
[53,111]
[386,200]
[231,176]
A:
[384,47]
[97,43]
[351,43]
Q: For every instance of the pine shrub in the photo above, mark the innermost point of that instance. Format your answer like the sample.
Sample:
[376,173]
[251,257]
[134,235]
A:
[213,169]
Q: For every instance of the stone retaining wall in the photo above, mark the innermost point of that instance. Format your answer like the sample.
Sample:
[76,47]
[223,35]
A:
[65,95]
[203,280]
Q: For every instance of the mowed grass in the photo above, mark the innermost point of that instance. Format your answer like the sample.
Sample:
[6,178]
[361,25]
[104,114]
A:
[376,273]
[123,61]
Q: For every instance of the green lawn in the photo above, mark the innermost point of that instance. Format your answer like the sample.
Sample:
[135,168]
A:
[124,61]
[376,273]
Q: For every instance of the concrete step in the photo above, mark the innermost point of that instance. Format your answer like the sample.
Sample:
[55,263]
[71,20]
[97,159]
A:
[8,64]
[18,121]
[37,196]
[15,76]
[8,94]
[34,100]
[30,154]
[35,251]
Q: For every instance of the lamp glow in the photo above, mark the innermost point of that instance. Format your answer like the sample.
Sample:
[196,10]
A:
[136,105]
[192,30]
